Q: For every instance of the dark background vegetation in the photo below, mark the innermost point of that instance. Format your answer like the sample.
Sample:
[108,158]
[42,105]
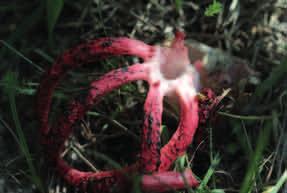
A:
[242,148]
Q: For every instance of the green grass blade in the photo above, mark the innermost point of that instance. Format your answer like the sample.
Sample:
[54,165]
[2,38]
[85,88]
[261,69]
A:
[110,161]
[178,5]
[7,45]
[245,117]
[53,9]
[44,55]
[253,166]
[280,183]
[213,9]
[11,84]
[217,191]
[209,173]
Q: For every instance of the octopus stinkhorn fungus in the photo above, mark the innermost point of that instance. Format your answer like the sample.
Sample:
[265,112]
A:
[168,72]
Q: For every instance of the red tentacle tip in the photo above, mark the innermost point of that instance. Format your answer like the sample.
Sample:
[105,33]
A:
[179,35]
[178,41]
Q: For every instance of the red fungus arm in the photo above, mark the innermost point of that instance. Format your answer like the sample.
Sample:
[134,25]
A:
[55,138]
[122,180]
[116,78]
[167,181]
[150,148]
[183,136]
[53,141]
[99,182]
[82,54]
